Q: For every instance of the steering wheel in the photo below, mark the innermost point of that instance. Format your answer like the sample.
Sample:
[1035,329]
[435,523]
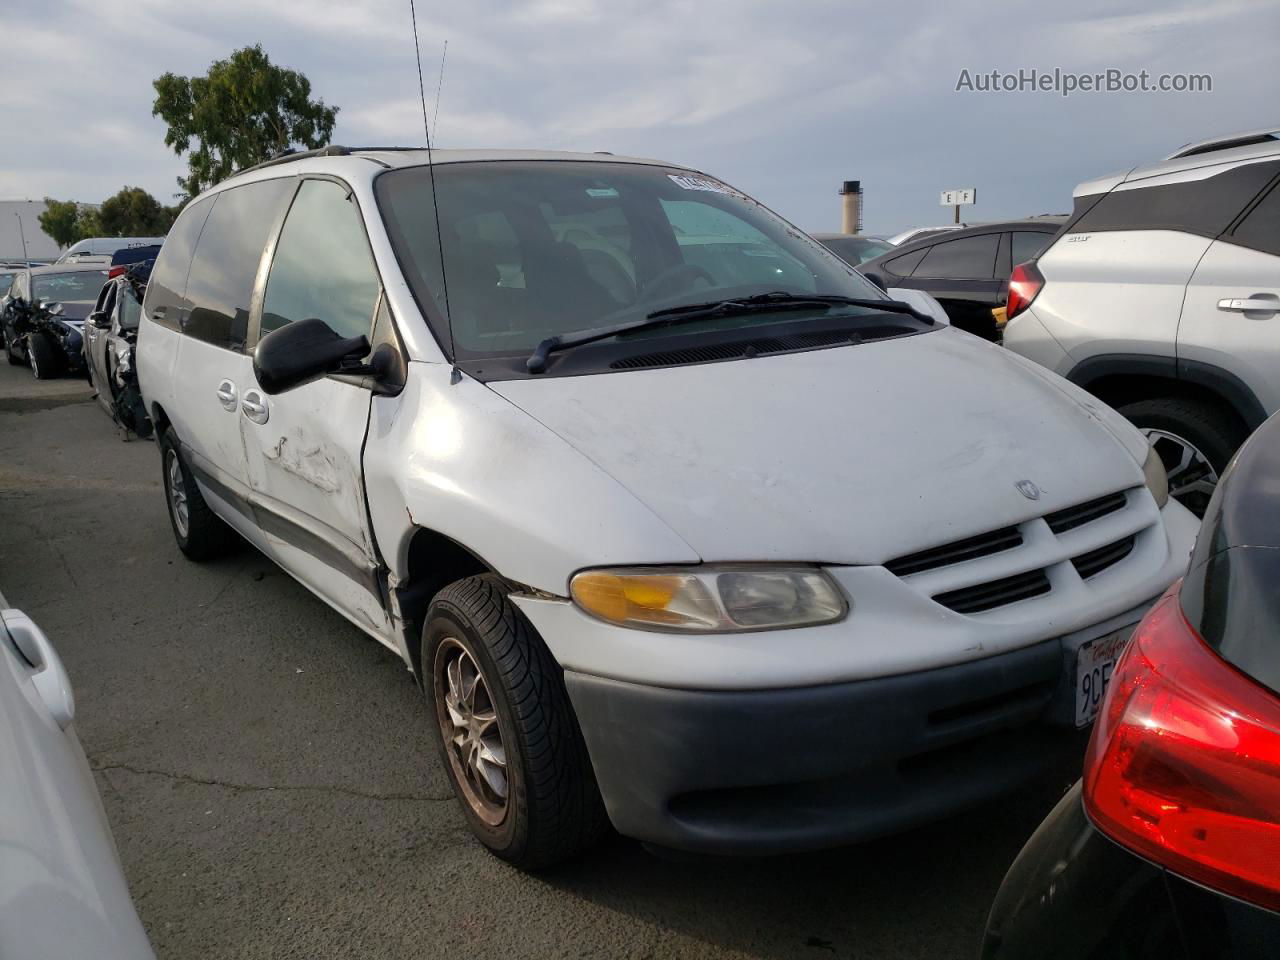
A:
[667,278]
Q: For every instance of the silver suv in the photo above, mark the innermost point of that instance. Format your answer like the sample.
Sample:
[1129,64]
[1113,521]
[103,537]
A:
[1161,296]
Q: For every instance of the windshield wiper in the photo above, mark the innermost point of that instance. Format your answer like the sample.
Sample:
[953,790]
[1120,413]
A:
[781,299]
[692,312]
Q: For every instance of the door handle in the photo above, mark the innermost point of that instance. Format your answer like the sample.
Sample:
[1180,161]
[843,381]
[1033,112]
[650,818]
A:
[227,395]
[48,676]
[1258,303]
[254,406]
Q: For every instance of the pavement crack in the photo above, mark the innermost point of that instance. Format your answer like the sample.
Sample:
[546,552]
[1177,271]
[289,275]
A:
[263,788]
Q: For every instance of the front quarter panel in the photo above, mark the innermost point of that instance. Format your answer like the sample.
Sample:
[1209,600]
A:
[458,459]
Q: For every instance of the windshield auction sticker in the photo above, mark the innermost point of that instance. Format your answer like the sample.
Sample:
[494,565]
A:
[698,183]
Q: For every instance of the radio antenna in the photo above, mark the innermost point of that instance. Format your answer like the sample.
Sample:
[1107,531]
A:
[435,116]
[431,172]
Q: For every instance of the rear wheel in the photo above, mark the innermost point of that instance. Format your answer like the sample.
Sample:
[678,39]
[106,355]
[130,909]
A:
[506,732]
[1195,439]
[44,355]
[200,533]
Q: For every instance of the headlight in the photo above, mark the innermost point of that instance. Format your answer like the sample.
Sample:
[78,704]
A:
[1157,477]
[723,599]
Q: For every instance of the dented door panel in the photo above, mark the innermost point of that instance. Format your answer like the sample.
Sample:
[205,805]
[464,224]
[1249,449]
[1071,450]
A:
[304,469]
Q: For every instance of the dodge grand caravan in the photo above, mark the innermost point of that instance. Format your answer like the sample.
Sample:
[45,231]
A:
[680,523]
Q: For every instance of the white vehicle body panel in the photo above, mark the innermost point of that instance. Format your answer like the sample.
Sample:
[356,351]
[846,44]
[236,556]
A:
[62,891]
[1246,343]
[820,456]
[1114,291]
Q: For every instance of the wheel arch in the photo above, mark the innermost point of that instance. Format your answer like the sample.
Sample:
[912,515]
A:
[1118,379]
[435,560]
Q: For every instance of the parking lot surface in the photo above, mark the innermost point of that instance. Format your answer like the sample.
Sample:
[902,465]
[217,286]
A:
[268,774]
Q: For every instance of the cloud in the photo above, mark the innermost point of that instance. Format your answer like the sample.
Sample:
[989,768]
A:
[784,100]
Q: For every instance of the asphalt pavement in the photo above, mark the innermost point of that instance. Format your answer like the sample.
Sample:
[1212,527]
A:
[268,774]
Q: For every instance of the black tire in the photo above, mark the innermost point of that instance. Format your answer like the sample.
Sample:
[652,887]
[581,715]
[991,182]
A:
[552,810]
[206,536]
[1211,428]
[46,358]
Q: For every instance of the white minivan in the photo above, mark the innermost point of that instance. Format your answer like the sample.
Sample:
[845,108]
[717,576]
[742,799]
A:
[680,523]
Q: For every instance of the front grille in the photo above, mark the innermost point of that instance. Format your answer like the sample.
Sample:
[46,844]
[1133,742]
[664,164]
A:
[1082,513]
[982,545]
[995,593]
[1095,561]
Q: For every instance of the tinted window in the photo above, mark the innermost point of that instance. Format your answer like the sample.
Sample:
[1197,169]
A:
[903,265]
[1261,228]
[220,285]
[1027,245]
[1205,206]
[169,277]
[322,266]
[969,258]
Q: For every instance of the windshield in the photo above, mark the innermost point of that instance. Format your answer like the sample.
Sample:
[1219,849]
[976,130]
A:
[857,250]
[68,287]
[541,248]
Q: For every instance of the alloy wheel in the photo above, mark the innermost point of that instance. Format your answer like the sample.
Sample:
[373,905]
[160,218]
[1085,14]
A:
[177,493]
[471,731]
[1192,478]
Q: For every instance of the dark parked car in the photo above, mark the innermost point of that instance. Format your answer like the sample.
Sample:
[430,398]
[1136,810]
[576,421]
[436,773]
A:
[44,316]
[853,250]
[1170,845]
[110,334]
[967,271]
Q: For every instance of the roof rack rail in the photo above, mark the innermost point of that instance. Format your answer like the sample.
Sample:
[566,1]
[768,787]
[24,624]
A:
[1248,138]
[332,150]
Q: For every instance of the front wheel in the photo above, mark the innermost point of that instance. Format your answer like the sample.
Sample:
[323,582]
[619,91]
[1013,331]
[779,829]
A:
[1195,440]
[506,732]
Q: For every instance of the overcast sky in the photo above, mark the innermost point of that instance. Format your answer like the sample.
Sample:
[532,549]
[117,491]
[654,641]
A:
[784,100]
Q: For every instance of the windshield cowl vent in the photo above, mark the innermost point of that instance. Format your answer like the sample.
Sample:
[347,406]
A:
[746,349]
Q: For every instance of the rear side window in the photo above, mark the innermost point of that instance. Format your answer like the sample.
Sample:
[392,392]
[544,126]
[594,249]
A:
[322,266]
[903,265]
[220,285]
[1260,229]
[969,258]
[168,280]
[1028,244]
[1205,207]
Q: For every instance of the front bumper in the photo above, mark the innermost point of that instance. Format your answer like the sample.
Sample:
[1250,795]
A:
[768,771]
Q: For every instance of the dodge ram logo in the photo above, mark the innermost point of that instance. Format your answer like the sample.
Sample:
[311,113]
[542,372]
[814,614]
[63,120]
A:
[1028,489]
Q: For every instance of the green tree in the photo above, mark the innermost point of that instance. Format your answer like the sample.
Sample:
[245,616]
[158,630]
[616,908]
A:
[134,213]
[59,221]
[243,111]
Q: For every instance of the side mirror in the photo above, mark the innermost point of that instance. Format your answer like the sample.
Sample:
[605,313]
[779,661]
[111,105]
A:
[303,351]
[100,320]
[876,279]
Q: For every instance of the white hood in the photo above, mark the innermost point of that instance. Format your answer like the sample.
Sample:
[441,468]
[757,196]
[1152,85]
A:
[849,455]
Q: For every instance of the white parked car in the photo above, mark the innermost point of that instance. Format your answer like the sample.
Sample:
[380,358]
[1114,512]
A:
[676,518]
[62,892]
[1161,296]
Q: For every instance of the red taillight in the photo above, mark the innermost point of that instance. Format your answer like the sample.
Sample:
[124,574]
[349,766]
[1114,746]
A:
[1184,763]
[115,272]
[1024,283]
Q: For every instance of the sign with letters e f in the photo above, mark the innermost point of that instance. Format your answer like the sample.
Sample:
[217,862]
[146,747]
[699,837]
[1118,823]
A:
[959,198]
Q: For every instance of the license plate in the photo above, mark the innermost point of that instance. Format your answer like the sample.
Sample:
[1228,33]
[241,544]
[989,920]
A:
[1095,662]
